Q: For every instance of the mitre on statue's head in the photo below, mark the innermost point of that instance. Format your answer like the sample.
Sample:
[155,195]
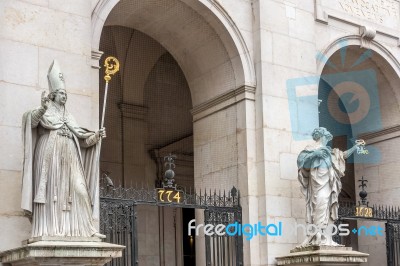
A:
[55,77]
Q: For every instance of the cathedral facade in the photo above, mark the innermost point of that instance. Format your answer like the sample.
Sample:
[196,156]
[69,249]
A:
[233,88]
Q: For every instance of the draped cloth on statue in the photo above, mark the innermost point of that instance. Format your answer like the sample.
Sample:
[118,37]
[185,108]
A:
[321,184]
[60,174]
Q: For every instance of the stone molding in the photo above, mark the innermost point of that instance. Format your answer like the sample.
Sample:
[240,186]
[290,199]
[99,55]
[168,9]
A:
[375,46]
[55,252]
[235,32]
[382,135]
[133,111]
[323,12]
[367,35]
[319,14]
[96,55]
[223,101]
[323,255]
[103,9]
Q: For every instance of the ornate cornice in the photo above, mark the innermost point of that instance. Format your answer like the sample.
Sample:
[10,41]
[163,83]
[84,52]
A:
[223,101]
[382,135]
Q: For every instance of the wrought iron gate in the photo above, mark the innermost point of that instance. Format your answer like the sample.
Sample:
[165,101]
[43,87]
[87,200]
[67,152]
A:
[223,250]
[393,243]
[388,214]
[118,219]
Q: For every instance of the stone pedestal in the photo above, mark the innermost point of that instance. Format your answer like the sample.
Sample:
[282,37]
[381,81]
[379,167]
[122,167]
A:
[57,251]
[323,255]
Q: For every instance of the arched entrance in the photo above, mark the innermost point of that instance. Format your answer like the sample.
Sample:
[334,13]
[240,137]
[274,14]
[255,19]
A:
[359,100]
[199,41]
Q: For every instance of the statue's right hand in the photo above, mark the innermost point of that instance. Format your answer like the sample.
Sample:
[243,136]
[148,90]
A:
[45,100]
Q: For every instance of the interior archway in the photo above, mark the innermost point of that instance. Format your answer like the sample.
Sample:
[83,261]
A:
[148,117]
[359,99]
[214,67]
[200,36]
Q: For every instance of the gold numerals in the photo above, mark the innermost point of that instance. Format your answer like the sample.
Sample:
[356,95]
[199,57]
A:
[168,196]
[363,211]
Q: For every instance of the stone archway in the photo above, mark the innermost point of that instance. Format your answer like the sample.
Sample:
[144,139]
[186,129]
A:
[217,65]
[206,14]
[371,75]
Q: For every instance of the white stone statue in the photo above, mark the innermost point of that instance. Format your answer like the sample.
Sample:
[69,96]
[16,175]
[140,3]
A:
[61,166]
[320,169]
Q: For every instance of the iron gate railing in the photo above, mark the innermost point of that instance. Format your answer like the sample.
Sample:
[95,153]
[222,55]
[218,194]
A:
[223,250]
[118,223]
[393,243]
[118,220]
[388,214]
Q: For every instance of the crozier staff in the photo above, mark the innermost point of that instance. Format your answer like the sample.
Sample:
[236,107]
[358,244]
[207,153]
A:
[60,170]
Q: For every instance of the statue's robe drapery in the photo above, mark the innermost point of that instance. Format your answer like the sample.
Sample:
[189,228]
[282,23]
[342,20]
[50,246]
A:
[321,184]
[60,174]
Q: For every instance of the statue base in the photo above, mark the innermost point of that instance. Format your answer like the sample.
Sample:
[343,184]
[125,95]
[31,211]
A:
[57,251]
[322,255]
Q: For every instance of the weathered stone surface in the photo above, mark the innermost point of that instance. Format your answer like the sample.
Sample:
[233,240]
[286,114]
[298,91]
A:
[61,238]
[323,255]
[55,252]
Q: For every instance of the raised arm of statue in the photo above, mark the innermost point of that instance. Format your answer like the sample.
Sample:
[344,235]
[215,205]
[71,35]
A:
[349,152]
[39,112]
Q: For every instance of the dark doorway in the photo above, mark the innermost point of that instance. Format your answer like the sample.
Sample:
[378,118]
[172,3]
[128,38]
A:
[189,242]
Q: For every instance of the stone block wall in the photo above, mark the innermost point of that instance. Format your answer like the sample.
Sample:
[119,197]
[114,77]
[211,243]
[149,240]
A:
[33,33]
